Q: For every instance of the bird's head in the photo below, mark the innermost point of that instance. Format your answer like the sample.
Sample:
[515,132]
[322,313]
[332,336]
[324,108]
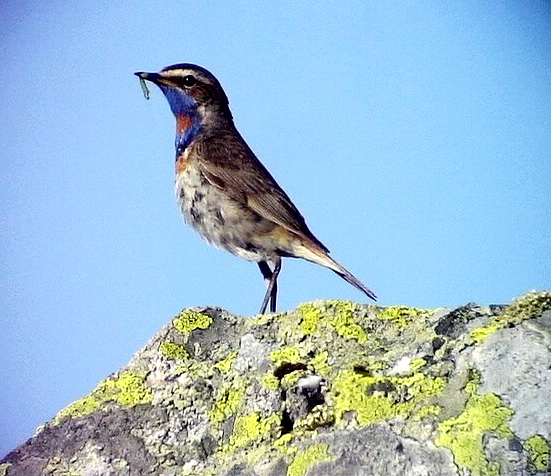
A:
[192,92]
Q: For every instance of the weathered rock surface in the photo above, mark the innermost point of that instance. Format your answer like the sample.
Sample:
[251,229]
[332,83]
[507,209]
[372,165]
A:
[330,389]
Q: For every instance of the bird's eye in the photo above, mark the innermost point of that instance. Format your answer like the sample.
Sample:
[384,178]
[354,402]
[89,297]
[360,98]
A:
[189,80]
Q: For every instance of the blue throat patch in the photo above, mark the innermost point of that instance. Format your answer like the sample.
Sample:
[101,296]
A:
[186,137]
[183,105]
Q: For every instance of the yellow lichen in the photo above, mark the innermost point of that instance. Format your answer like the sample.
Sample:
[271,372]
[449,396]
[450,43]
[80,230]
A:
[286,354]
[428,410]
[463,434]
[290,380]
[400,315]
[531,305]
[270,381]
[251,427]
[304,460]
[344,322]
[283,443]
[340,315]
[320,364]
[126,389]
[79,408]
[417,364]
[320,416]
[187,321]
[310,318]
[378,398]
[226,364]
[227,401]
[173,351]
[539,452]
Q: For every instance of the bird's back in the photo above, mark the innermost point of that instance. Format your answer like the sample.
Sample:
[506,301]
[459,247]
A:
[229,164]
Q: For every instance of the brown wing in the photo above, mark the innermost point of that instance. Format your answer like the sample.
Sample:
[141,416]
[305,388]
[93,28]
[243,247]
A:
[228,163]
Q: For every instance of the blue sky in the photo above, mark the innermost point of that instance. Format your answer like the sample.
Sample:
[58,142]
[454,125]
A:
[413,136]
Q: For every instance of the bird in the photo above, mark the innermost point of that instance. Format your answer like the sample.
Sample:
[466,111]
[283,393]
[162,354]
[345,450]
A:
[224,191]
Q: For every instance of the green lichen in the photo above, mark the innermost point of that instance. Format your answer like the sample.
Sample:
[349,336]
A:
[173,351]
[428,410]
[463,434]
[251,428]
[417,364]
[79,408]
[260,320]
[320,416]
[127,389]
[320,363]
[283,443]
[379,398]
[228,400]
[270,381]
[344,322]
[226,364]
[340,315]
[286,354]
[539,452]
[480,334]
[187,321]
[196,370]
[304,460]
[531,305]
[311,316]
[402,316]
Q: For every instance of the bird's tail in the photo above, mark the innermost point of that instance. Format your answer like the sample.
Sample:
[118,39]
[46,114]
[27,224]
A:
[350,278]
[319,256]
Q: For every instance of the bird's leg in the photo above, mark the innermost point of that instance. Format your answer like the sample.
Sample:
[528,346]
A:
[267,274]
[273,294]
[271,284]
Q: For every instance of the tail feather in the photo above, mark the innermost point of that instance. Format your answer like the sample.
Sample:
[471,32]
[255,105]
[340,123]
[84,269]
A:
[350,278]
[320,256]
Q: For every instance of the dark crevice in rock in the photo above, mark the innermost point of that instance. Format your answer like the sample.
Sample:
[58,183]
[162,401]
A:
[287,368]
[360,369]
[287,422]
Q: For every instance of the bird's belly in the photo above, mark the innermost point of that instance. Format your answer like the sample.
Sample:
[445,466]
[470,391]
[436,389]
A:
[220,220]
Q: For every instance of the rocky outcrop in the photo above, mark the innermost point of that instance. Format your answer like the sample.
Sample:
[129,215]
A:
[331,388]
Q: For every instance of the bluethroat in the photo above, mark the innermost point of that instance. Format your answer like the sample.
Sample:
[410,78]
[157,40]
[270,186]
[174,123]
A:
[224,192]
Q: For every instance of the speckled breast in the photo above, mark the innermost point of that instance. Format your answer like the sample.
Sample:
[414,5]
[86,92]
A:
[220,220]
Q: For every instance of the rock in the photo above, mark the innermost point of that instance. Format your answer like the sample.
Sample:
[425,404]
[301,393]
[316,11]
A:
[329,389]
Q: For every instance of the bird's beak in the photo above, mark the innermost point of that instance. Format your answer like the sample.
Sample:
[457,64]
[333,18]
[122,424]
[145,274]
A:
[153,77]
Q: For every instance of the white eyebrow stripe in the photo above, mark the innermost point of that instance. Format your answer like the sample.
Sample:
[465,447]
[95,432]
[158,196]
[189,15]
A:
[181,72]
